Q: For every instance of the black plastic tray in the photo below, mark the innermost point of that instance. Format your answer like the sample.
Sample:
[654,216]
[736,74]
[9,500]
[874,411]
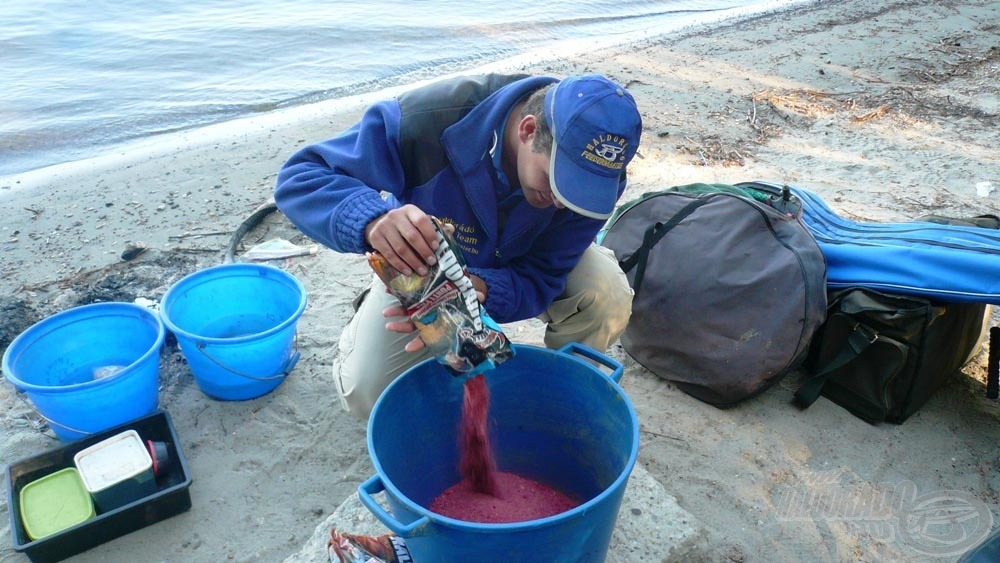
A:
[172,496]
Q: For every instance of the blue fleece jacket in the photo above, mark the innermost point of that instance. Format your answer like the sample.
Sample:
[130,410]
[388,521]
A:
[331,190]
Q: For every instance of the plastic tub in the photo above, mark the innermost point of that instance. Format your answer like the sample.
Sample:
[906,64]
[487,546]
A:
[116,471]
[235,325]
[555,418]
[53,503]
[89,368]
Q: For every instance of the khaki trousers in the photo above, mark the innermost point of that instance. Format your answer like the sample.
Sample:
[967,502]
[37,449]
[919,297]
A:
[593,311]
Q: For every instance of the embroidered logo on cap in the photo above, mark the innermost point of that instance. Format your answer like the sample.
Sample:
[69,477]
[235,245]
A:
[606,150]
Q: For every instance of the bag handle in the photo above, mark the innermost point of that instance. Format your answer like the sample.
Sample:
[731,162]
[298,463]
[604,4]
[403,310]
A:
[654,233]
[860,338]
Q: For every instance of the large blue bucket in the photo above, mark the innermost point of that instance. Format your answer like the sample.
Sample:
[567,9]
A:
[235,325]
[89,368]
[554,418]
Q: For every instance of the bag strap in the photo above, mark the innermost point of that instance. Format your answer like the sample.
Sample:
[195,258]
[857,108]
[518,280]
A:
[993,365]
[860,338]
[654,233]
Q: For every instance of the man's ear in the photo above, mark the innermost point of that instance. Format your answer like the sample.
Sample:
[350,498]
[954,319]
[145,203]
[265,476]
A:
[526,128]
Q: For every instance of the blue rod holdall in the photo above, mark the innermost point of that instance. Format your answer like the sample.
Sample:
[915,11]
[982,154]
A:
[932,260]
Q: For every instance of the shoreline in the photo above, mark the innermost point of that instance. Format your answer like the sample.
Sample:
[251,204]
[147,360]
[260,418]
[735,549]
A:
[144,173]
[883,109]
[159,145]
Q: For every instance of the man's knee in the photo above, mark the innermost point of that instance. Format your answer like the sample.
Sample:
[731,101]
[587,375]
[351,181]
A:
[350,378]
[355,369]
[370,357]
[615,307]
[604,286]
[595,307]
[354,397]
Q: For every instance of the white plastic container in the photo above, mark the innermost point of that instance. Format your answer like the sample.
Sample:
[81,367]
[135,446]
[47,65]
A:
[116,471]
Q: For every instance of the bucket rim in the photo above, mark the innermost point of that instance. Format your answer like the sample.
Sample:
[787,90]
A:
[90,310]
[234,267]
[485,527]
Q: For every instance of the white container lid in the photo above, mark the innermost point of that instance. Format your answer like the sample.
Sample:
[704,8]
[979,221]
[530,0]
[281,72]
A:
[111,461]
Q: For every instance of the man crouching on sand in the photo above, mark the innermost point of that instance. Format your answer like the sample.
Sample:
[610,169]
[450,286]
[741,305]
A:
[526,169]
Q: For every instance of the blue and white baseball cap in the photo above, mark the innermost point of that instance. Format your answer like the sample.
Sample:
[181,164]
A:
[595,128]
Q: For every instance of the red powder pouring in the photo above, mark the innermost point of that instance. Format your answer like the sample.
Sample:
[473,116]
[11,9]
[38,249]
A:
[478,465]
[485,494]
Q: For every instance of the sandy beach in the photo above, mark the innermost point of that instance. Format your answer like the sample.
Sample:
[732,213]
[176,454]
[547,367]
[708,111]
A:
[887,109]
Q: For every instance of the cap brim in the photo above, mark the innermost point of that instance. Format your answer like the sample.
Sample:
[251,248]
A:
[580,190]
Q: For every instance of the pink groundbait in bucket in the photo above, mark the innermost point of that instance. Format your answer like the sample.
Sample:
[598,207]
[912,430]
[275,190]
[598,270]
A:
[235,325]
[555,419]
[89,368]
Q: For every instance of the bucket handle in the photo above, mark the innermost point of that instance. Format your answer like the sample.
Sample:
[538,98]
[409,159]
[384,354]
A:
[293,359]
[375,485]
[589,353]
[20,395]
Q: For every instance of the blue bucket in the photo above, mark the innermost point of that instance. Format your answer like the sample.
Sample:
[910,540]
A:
[235,325]
[554,418]
[89,368]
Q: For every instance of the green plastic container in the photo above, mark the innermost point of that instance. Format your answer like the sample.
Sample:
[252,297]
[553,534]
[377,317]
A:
[55,502]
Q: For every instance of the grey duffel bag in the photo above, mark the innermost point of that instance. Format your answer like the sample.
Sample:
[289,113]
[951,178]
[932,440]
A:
[729,285]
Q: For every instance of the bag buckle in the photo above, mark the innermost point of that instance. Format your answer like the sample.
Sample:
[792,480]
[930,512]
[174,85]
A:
[867,331]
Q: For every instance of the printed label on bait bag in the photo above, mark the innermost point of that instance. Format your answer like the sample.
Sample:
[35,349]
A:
[444,307]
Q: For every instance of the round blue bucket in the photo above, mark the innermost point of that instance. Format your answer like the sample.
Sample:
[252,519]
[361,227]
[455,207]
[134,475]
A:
[555,418]
[89,368]
[235,325]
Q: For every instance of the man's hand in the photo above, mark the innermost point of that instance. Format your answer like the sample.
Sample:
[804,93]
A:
[400,321]
[406,238]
